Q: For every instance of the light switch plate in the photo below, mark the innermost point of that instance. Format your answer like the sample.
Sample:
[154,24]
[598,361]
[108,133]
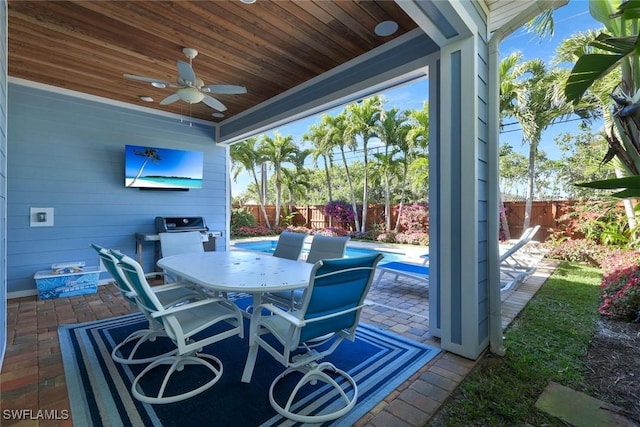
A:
[41,217]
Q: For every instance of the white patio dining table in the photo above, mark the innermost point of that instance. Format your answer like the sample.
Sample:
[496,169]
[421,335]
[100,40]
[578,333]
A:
[239,271]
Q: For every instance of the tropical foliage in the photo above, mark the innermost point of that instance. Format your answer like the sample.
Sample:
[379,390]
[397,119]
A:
[617,49]
[365,173]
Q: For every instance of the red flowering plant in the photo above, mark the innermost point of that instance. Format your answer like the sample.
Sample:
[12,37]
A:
[414,221]
[341,212]
[621,287]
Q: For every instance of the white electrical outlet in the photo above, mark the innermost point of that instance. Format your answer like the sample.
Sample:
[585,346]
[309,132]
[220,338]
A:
[41,217]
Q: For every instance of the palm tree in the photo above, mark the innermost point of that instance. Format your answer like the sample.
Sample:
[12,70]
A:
[392,131]
[149,154]
[319,137]
[339,137]
[533,97]
[362,119]
[297,180]
[417,137]
[245,155]
[279,150]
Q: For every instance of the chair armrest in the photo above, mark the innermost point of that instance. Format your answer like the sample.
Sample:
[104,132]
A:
[286,315]
[179,308]
[329,316]
[172,285]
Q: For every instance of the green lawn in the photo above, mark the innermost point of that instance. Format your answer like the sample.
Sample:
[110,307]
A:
[546,342]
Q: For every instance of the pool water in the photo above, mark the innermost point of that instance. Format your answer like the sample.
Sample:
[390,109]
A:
[269,246]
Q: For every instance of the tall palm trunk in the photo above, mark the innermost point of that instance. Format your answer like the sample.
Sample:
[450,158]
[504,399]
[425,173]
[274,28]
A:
[351,192]
[365,186]
[530,185]
[261,200]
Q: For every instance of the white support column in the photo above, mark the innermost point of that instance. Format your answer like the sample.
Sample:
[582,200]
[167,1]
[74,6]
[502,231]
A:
[456,244]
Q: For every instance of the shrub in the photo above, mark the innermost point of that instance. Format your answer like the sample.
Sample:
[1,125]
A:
[601,221]
[341,212]
[415,238]
[415,218]
[253,231]
[587,252]
[386,237]
[331,231]
[580,250]
[621,288]
[241,218]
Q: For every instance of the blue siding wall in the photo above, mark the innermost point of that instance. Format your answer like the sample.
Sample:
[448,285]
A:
[3,178]
[67,153]
[483,188]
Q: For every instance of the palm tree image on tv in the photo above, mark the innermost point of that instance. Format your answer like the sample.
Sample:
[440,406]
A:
[150,167]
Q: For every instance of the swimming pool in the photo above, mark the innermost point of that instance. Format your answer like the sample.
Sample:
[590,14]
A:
[269,246]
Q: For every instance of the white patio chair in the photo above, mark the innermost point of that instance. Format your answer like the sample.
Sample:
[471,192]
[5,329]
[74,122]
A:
[180,243]
[181,323]
[331,307]
[169,295]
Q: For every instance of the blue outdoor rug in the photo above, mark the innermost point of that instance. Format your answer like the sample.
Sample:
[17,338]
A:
[100,389]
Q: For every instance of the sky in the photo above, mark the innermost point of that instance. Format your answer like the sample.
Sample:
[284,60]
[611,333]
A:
[569,19]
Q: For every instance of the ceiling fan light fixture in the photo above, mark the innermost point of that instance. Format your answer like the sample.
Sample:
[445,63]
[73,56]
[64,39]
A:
[146,99]
[386,28]
[217,115]
[190,95]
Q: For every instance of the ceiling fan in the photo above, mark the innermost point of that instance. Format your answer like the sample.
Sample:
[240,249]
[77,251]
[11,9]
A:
[191,89]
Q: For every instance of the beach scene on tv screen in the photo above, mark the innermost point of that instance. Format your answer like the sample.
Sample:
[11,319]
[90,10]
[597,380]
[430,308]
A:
[152,167]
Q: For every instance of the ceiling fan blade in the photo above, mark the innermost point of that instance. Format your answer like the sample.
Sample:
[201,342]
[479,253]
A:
[170,99]
[186,73]
[214,103]
[155,82]
[224,89]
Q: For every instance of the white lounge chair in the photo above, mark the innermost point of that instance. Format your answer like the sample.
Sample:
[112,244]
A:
[517,264]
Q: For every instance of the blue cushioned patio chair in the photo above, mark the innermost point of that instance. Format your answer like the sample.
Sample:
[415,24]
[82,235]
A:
[322,247]
[331,307]
[169,295]
[183,324]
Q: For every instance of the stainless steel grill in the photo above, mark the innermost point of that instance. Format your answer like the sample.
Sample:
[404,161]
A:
[182,224]
[177,224]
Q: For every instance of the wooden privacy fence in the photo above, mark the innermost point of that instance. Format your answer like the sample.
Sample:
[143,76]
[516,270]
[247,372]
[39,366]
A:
[311,216]
[544,213]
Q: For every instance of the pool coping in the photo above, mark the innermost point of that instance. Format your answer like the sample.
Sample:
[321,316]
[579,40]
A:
[412,252]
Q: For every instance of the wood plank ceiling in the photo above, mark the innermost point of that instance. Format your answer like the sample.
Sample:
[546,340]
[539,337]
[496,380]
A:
[268,46]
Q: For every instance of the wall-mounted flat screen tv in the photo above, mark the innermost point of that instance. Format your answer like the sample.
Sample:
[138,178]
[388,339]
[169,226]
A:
[162,168]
